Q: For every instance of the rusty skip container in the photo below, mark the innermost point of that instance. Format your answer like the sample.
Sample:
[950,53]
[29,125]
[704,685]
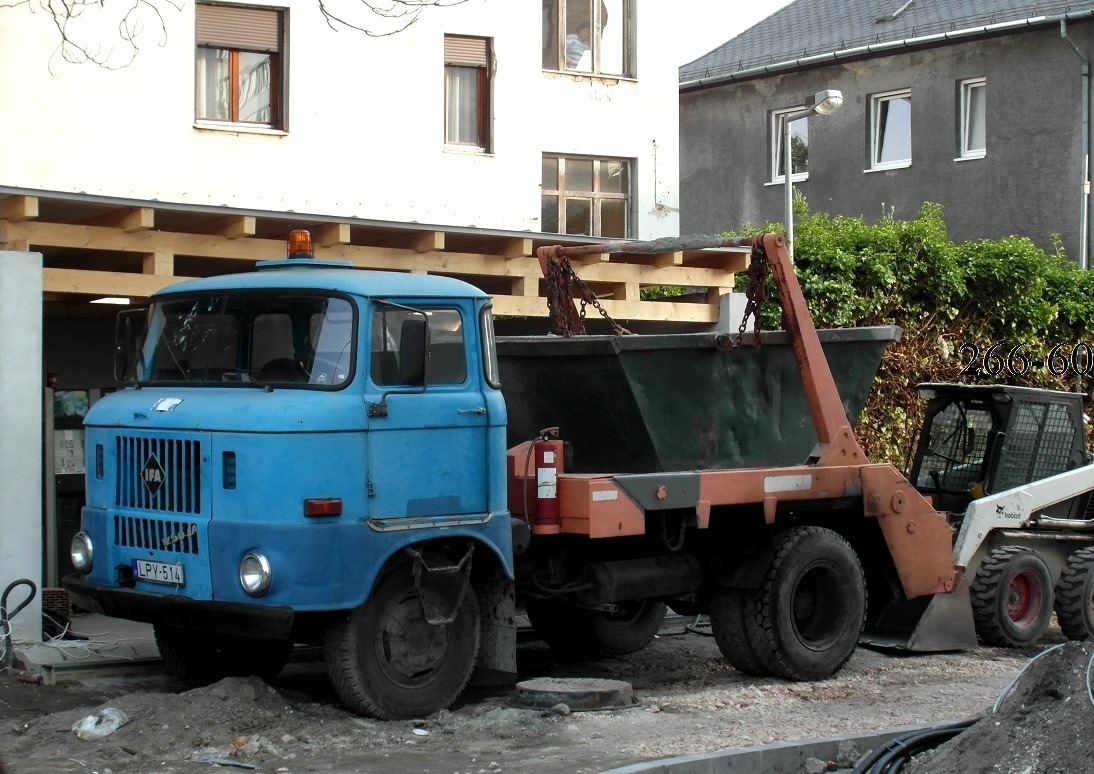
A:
[650,403]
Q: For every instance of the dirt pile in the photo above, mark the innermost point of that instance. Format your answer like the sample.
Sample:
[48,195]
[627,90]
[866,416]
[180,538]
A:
[1042,726]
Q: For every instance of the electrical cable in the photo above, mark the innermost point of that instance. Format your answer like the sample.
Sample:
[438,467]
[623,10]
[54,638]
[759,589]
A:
[1011,684]
[890,757]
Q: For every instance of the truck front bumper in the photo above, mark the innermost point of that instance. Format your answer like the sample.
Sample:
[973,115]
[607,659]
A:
[217,617]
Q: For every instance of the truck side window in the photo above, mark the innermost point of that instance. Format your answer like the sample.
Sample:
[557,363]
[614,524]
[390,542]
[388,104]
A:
[447,349]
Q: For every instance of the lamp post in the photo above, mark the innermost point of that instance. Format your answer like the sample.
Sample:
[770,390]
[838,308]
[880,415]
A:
[822,103]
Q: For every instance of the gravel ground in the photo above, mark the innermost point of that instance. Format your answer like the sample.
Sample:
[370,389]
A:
[690,701]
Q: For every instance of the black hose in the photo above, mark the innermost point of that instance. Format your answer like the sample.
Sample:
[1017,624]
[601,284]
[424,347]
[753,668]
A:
[890,757]
[6,654]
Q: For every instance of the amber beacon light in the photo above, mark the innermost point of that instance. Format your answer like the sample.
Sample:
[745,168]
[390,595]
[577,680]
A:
[300,244]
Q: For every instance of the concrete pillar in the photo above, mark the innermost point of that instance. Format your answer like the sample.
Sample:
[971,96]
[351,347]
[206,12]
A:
[21,436]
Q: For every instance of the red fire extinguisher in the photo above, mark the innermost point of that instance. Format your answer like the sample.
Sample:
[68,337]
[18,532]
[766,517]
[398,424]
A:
[548,456]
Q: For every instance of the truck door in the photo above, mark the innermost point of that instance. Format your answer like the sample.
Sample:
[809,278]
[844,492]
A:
[427,444]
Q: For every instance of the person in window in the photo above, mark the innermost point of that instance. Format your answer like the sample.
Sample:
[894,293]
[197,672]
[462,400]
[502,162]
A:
[577,48]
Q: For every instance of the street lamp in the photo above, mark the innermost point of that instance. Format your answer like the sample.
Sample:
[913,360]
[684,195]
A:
[822,103]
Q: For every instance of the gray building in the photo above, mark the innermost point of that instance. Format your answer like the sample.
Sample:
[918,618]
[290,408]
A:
[982,106]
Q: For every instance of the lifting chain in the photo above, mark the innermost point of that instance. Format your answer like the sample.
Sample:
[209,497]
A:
[758,269]
[561,279]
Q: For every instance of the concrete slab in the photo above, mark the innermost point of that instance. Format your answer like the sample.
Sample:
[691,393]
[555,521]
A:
[112,647]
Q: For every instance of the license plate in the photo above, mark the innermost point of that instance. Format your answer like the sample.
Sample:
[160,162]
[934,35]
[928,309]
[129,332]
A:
[159,572]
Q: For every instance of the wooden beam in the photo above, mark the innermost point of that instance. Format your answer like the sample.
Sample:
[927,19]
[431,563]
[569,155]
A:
[516,248]
[592,259]
[331,234]
[626,291]
[104,283]
[19,208]
[664,260]
[419,241]
[162,264]
[525,285]
[525,306]
[238,227]
[128,219]
[719,260]
[9,239]
[714,294]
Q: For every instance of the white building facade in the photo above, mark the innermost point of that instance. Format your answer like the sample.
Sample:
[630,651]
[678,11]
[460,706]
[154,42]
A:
[459,120]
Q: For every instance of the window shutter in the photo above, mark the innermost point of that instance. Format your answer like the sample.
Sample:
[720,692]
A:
[231,26]
[459,50]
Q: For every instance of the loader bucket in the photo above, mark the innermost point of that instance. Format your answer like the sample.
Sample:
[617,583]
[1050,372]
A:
[676,402]
[933,623]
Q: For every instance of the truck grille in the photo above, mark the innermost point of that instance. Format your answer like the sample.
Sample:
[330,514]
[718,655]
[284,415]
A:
[175,536]
[158,474]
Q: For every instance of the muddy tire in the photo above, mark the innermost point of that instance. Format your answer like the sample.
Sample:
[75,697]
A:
[199,658]
[387,661]
[805,620]
[574,632]
[727,621]
[1012,597]
[1075,596]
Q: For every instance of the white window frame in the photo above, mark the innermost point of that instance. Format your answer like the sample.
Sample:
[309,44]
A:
[876,101]
[562,192]
[556,29]
[777,168]
[967,87]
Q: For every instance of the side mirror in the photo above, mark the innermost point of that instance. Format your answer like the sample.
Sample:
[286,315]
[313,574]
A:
[414,351]
[128,331]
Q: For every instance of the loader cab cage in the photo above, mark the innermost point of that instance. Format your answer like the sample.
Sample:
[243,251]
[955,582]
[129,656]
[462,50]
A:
[983,439]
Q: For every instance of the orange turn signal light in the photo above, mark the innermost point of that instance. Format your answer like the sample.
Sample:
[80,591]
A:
[323,506]
[300,245]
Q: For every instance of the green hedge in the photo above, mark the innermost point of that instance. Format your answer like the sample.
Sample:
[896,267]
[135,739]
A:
[1005,292]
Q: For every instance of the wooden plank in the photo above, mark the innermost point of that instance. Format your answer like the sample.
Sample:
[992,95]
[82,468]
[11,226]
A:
[714,294]
[419,242]
[19,208]
[238,228]
[138,219]
[591,259]
[516,248]
[720,260]
[104,283]
[331,234]
[626,291]
[620,310]
[162,264]
[10,240]
[525,285]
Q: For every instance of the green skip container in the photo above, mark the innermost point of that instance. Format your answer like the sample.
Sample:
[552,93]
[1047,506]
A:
[675,402]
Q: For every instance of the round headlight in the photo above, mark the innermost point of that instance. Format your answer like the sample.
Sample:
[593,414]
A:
[255,575]
[82,552]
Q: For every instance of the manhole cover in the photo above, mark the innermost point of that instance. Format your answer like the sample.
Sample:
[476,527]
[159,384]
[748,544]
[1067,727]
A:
[579,694]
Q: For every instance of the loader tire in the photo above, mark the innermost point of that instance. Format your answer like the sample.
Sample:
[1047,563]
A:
[1075,596]
[727,621]
[198,658]
[579,633]
[805,620]
[386,660]
[1012,597]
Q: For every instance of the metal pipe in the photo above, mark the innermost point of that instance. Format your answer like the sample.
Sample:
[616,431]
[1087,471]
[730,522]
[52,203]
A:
[1068,524]
[1084,200]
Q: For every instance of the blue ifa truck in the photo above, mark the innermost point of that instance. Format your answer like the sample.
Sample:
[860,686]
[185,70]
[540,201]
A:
[313,453]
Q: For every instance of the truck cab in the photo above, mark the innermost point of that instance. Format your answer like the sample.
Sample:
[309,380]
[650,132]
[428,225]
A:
[290,443]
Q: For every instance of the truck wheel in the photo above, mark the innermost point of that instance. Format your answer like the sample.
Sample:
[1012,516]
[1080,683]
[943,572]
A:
[575,632]
[1075,596]
[1012,597]
[630,629]
[386,660]
[727,621]
[805,619]
[199,658]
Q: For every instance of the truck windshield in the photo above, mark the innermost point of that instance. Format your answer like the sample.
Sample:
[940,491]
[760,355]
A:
[258,339]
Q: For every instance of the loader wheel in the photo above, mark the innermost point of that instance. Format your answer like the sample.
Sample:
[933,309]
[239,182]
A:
[575,632]
[1012,597]
[1075,596]
[727,621]
[805,619]
[387,661]
[200,658]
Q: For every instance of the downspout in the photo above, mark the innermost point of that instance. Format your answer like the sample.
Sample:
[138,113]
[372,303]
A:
[1084,209]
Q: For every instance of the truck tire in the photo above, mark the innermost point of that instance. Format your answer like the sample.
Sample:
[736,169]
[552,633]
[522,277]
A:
[575,632]
[387,661]
[1075,596]
[727,621]
[1012,597]
[805,620]
[199,658]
